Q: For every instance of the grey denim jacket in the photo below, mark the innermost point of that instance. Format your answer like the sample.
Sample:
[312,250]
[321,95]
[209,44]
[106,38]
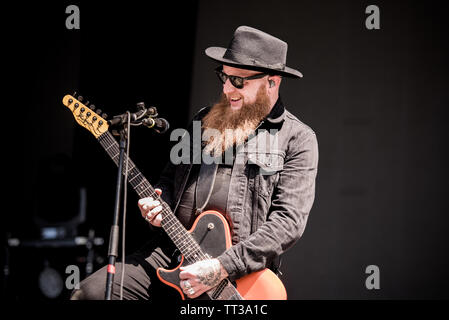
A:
[271,192]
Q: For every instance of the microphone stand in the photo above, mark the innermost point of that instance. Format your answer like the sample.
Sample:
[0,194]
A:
[144,117]
[114,233]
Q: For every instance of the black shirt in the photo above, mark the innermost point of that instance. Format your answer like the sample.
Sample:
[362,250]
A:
[217,201]
[219,197]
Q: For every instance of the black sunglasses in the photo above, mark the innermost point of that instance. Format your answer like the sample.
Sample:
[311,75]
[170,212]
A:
[236,81]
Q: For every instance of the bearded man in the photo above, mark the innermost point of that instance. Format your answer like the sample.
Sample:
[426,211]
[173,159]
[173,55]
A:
[265,192]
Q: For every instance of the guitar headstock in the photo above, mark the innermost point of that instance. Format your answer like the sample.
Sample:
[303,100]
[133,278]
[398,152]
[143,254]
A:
[85,116]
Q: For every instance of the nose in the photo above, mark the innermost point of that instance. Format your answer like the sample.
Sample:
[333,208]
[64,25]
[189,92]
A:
[228,87]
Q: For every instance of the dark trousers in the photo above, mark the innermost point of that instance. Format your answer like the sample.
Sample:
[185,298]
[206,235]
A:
[140,281]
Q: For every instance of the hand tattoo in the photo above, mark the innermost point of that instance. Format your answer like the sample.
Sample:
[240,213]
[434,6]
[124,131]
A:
[210,275]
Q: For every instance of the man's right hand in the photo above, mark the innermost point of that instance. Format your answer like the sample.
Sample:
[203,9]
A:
[151,209]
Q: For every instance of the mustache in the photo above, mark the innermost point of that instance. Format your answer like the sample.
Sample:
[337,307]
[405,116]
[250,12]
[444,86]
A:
[242,121]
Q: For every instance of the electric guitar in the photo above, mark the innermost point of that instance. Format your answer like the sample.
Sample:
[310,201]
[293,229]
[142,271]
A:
[209,236]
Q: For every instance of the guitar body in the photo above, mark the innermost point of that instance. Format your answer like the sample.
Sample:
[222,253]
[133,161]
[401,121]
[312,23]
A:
[211,231]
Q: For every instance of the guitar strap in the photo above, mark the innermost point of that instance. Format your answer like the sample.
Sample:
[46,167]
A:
[204,185]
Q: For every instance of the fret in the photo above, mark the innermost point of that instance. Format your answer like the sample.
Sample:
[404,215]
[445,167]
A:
[196,255]
[174,228]
[141,191]
[115,156]
[138,185]
[131,174]
[180,237]
[184,246]
[108,147]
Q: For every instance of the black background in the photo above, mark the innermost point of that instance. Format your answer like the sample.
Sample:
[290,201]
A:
[377,100]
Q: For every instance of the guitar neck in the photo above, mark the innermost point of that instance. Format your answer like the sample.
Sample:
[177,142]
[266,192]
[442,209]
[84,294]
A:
[171,225]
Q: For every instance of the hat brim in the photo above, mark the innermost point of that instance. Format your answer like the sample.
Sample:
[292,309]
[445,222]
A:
[217,53]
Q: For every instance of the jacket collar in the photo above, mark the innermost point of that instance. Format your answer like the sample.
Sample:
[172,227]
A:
[277,113]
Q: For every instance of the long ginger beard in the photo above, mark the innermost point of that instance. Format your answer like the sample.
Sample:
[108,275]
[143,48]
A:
[224,127]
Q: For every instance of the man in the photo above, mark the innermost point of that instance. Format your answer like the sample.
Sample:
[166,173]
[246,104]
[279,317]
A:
[265,188]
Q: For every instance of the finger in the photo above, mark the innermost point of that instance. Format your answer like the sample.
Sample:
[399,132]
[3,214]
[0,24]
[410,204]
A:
[145,205]
[197,292]
[184,275]
[145,209]
[155,210]
[141,203]
[151,214]
[189,291]
[157,220]
[153,204]
[144,201]
[194,283]
[185,285]
[143,212]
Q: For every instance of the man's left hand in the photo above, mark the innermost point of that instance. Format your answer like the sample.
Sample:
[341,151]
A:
[201,276]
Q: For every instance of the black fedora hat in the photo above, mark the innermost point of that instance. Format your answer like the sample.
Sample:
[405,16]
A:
[254,49]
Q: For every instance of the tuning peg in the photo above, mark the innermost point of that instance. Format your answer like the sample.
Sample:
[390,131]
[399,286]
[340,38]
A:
[80,98]
[74,94]
[152,112]
[92,107]
[99,111]
[86,103]
[104,115]
[140,105]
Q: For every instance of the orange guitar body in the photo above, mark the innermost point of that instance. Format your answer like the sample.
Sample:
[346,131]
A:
[212,233]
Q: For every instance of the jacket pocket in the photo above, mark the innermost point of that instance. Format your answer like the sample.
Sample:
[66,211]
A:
[267,165]
[268,162]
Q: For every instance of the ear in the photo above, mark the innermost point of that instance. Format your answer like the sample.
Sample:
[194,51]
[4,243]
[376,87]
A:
[274,81]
